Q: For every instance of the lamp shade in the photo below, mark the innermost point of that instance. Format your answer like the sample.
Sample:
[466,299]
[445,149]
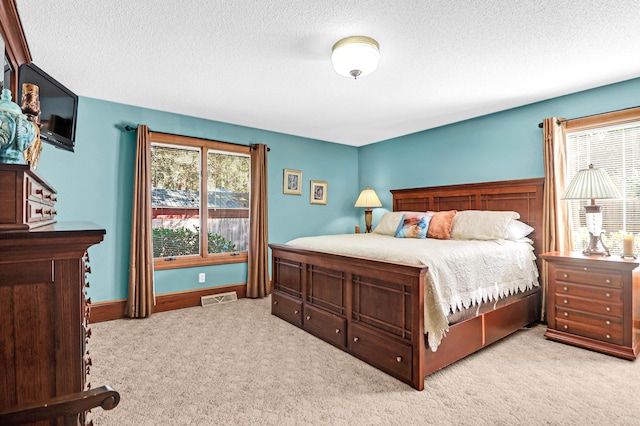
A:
[368,198]
[355,56]
[591,183]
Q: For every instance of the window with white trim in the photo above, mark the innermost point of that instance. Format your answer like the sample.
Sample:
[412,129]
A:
[615,148]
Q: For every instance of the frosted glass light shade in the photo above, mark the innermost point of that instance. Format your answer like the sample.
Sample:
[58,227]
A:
[355,56]
[368,198]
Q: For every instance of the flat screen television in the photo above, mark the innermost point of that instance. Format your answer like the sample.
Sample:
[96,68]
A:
[58,107]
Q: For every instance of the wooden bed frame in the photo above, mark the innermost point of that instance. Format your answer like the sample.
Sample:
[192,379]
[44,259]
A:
[374,309]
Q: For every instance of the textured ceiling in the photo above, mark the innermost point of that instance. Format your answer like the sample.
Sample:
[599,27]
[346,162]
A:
[266,64]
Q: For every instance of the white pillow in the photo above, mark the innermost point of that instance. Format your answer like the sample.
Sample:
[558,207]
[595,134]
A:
[518,230]
[481,224]
[389,222]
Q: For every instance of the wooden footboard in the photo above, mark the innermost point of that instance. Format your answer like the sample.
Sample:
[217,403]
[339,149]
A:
[370,309]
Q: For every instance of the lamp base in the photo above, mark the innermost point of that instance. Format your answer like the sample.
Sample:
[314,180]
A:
[595,241]
[368,220]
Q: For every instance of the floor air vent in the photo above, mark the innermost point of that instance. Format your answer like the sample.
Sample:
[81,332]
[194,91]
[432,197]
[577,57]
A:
[217,299]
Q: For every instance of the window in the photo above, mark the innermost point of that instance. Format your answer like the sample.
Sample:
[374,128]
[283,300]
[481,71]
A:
[189,228]
[610,141]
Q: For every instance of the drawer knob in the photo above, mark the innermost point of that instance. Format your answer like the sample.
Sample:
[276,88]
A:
[608,294]
[608,322]
[608,281]
[308,317]
[355,339]
[565,288]
[275,302]
[566,314]
[584,269]
[565,301]
[296,312]
[38,191]
[608,336]
[39,211]
[399,358]
[566,275]
[566,327]
[608,309]
[337,331]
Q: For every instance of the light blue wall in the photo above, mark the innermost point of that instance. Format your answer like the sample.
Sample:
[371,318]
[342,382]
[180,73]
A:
[501,146]
[95,184]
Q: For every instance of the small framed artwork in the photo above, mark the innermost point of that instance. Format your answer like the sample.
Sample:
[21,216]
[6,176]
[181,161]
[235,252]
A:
[318,192]
[292,182]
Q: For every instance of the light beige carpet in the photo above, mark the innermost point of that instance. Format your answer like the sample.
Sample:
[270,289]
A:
[236,364]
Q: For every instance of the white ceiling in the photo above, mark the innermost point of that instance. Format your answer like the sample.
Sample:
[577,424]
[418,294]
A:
[266,64]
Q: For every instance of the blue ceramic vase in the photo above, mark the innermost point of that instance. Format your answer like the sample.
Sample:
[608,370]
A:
[16,132]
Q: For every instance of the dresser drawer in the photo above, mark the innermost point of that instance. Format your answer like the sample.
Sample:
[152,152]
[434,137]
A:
[602,321]
[594,292]
[37,192]
[380,351]
[287,308]
[613,309]
[36,212]
[325,325]
[610,334]
[586,275]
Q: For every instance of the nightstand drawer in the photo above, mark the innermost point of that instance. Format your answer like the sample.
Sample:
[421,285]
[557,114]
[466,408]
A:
[602,321]
[586,275]
[611,334]
[594,306]
[605,294]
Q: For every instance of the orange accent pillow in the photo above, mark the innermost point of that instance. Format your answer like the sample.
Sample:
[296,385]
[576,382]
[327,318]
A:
[440,225]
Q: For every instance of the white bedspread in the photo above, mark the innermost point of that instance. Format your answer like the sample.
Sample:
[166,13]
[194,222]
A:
[461,273]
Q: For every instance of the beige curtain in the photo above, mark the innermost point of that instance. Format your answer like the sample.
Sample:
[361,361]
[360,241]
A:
[141,298]
[258,262]
[555,219]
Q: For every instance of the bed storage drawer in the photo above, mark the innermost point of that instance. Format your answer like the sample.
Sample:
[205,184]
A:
[325,325]
[287,308]
[387,354]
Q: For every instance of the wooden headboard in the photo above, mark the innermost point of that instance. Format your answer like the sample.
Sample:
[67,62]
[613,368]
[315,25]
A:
[523,196]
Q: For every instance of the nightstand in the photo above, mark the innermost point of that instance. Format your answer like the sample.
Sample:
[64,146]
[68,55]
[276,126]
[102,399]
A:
[594,302]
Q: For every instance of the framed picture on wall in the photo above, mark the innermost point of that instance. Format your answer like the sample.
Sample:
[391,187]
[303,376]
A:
[318,192]
[292,182]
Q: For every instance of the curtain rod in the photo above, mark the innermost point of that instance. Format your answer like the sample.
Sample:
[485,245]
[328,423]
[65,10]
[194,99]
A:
[592,115]
[131,129]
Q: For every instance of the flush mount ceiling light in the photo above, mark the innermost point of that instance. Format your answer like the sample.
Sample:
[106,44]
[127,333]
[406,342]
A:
[355,56]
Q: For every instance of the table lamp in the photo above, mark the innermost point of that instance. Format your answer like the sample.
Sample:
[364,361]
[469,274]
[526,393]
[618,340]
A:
[589,184]
[368,198]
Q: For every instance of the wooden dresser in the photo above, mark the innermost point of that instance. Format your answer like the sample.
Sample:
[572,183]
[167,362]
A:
[43,309]
[594,302]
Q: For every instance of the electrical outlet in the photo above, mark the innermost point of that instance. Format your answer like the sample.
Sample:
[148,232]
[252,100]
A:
[201,277]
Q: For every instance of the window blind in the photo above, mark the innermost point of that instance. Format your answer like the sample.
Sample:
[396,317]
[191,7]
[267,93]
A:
[617,150]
